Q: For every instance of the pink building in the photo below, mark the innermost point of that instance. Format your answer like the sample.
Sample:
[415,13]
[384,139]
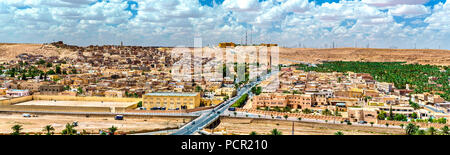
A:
[17,93]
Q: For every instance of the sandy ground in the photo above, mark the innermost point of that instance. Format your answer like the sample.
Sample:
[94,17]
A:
[92,124]
[78,103]
[245,126]
[10,51]
[421,56]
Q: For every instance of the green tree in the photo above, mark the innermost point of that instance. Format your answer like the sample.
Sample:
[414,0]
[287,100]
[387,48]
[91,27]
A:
[414,115]
[432,131]
[381,115]
[371,124]
[69,130]
[275,132]
[411,129]
[139,104]
[80,90]
[16,129]
[112,130]
[338,133]
[49,64]
[253,133]
[48,129]
[326,112]
[420,132]
[58,70]
[402,125]
[198,89]
[286,117]
[444,130]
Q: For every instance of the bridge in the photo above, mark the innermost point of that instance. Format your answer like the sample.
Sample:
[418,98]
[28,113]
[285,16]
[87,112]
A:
[210,116]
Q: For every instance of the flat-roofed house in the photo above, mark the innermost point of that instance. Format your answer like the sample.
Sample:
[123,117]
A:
[171,101]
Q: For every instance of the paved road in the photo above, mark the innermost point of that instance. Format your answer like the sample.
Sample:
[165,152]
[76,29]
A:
[209,116]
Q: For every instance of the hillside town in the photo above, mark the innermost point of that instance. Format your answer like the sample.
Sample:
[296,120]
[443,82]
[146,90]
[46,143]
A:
[135,79]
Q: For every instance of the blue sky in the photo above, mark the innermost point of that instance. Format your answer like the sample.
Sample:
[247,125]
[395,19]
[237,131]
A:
[290,23]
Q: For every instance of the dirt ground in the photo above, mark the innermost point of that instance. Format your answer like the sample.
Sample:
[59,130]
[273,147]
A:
[421,56]
[91,124]
[245,126]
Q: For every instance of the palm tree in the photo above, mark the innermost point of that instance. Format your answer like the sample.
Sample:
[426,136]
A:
[235,113]
[338,133]
[69,130]
[411,129]
[371,124]
[16,129]
[253,133]
[420,132]
[444,130]
[112,130]
[432,130]
[48,128]
[275,132]
[402,125]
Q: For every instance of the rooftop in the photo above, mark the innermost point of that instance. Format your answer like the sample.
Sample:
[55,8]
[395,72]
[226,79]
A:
[171,94]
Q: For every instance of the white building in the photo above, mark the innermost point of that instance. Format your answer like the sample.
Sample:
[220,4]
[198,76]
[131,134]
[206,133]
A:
[17,93]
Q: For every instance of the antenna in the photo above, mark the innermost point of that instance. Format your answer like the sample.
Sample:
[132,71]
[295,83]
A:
[251,36]
[245,37]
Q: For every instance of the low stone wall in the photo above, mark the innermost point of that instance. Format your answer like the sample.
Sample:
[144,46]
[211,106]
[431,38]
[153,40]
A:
[296,115]
[16,100]
[88,98]
[39,108]
[421,124]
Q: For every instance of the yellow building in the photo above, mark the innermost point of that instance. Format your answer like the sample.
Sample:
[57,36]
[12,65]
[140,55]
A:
[3,91]
[268,45]
[226,91]
[224,45]
[171,101]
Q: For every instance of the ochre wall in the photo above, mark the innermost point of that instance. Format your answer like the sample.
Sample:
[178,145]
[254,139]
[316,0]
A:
[16,100]
[77,98]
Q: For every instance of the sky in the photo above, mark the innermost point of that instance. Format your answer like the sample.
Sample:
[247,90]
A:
[289,23]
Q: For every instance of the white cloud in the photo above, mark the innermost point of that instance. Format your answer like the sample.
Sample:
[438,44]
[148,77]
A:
[389,3]
[409,10]
[177,22]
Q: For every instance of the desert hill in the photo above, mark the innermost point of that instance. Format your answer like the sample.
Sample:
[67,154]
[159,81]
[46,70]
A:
[9,52]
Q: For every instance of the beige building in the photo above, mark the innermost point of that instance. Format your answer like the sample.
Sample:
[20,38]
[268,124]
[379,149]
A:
[171,101]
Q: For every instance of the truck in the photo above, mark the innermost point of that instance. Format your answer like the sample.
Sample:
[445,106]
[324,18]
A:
[232,109]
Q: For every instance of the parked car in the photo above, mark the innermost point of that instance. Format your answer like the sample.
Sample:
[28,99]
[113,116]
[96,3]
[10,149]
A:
[362,122]
[118,117]
[26,115]
[232,109]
